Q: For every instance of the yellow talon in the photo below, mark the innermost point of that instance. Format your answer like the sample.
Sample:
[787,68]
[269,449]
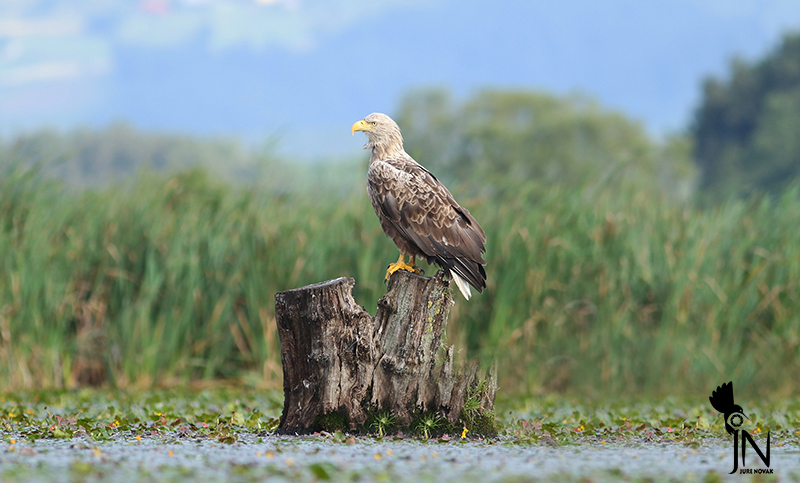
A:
[401,264]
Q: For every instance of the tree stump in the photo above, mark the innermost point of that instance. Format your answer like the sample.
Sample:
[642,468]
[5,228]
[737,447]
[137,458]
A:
[342,364]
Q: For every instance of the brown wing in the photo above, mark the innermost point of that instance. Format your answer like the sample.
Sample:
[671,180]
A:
[419,210]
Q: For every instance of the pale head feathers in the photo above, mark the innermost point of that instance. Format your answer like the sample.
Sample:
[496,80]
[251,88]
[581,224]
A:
[384,137]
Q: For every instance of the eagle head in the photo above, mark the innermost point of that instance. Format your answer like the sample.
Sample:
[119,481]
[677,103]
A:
[382,133]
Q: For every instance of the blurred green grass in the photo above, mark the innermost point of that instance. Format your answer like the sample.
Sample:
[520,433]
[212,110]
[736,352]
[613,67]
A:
[590,290]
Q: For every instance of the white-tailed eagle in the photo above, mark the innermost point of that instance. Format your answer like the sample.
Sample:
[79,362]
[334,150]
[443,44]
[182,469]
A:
[417,212]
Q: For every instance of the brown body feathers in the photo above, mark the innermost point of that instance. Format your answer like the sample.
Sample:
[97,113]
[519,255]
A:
[417,211]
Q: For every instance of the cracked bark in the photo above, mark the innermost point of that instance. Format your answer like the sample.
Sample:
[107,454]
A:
[338,359]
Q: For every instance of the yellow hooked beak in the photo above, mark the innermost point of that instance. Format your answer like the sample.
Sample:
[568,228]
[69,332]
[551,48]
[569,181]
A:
[361,125]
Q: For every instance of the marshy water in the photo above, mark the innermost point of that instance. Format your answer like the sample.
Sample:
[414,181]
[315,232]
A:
[316,458]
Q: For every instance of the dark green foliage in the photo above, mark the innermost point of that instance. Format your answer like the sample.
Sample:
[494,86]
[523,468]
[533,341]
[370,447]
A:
[747,128]
[330,422]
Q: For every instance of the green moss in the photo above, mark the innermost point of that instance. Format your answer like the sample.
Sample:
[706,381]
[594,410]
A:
[330,422]
[475,418]
[484,424]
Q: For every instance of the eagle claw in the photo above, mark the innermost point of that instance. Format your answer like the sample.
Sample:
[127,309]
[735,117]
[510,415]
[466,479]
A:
[400,265]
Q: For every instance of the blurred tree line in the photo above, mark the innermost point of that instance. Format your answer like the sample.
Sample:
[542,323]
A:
[89,157]
[504,141]
[745,137]
[497,143]
[747,128]
[95,158]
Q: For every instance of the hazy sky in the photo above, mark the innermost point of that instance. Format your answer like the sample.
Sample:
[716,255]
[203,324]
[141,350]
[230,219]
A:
[302,71]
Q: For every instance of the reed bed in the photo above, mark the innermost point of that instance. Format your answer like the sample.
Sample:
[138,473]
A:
[171,281]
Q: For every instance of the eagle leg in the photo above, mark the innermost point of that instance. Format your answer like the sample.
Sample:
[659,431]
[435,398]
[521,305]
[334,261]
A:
[413,263]
[401,264]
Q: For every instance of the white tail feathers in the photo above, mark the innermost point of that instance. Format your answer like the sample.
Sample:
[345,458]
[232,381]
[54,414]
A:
[463,286]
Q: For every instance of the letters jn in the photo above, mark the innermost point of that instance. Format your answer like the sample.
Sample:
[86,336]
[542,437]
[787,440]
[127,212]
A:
[722,400]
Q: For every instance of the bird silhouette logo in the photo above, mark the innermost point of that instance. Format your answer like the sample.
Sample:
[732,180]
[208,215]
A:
[722,400]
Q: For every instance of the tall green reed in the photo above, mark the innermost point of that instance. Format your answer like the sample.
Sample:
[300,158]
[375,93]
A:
[172,280]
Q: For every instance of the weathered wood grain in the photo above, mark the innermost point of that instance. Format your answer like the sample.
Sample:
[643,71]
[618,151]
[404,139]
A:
[337,359]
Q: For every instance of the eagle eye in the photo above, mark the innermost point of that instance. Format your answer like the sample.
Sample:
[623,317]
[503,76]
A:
[374,123]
